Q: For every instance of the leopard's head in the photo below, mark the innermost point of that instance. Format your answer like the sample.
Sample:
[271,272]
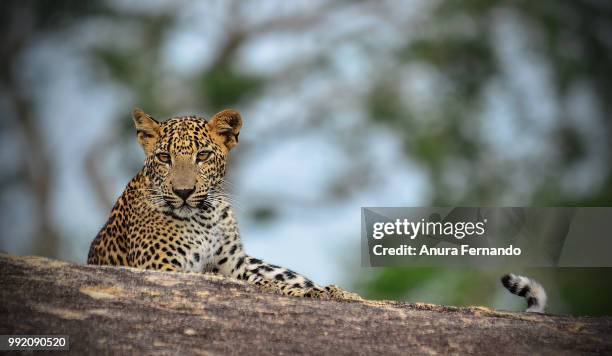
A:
[185,159]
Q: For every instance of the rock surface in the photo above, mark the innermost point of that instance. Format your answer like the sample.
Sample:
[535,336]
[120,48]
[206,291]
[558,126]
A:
[108,310]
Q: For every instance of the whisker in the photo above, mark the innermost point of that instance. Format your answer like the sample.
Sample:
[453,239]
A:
[222,198]
[143,189]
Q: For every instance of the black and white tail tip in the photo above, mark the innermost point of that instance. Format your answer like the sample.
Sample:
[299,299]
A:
[527,288]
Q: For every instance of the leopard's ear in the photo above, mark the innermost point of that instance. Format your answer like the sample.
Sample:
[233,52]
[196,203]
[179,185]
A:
[225,128]
[147,130]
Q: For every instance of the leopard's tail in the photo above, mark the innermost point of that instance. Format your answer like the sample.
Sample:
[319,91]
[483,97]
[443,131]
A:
[527,288]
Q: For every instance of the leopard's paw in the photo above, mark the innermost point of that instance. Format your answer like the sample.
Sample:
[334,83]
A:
[269,286]
[335,292]
[316,292]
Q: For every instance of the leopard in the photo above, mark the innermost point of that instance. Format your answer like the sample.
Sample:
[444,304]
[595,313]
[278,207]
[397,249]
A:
[175,214]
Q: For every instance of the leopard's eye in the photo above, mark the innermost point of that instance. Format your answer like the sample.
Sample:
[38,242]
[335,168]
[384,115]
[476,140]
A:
[163,157]
[203,156]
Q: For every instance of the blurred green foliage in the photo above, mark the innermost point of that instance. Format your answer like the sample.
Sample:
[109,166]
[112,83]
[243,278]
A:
[467,63]
[224,86]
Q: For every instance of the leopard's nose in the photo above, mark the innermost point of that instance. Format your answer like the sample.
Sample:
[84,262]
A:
[183,193]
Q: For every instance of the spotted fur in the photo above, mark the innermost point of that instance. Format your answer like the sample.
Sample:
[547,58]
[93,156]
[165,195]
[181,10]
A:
[174,216]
